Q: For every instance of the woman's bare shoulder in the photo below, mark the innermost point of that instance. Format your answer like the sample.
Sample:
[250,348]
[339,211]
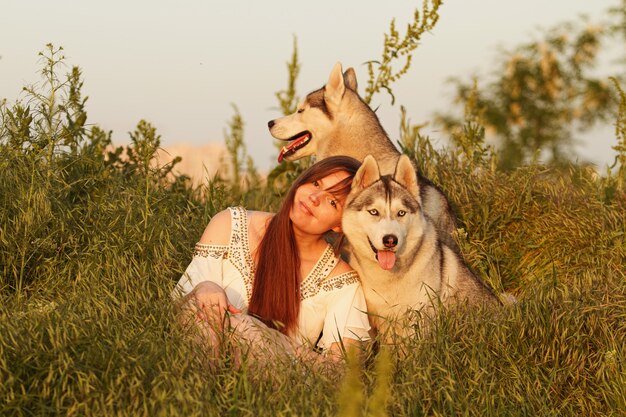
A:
[218,230]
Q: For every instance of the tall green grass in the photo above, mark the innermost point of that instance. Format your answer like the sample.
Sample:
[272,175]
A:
[91,244]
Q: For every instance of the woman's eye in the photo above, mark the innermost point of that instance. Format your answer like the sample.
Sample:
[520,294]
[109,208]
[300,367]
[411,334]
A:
[373,212]
[300,110]
[333,203]
[316,184]
[401,213]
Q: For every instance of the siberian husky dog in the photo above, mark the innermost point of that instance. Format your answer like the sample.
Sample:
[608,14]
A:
[403,263]
[334,120]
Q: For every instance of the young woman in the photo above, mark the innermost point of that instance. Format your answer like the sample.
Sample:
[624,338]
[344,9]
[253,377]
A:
[266,271]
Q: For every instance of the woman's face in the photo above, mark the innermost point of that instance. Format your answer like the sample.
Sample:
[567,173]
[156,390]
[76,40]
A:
[315,210]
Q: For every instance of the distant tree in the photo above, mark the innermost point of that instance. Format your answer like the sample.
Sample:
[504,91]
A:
[539,94]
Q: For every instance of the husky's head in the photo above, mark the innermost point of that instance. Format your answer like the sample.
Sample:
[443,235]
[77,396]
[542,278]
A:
[383,214]
[314,119]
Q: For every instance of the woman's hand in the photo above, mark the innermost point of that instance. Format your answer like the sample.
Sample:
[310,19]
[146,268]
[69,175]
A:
[211,302]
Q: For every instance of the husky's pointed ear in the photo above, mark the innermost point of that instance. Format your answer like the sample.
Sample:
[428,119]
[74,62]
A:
[335,87]
[366,174]
[349,79]
[406,176]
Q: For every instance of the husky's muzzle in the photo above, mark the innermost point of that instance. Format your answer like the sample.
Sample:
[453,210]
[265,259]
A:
[386,257]
[296,142]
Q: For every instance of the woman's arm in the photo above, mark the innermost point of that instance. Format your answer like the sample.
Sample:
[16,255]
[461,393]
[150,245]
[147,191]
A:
[202,279]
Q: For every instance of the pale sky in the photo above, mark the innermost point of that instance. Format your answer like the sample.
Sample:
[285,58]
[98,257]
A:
[180,64]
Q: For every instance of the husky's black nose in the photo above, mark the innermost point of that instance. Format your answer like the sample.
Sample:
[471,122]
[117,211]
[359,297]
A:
[390,241]
[270,124]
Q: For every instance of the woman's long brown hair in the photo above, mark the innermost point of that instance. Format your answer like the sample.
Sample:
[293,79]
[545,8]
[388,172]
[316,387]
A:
[275,295]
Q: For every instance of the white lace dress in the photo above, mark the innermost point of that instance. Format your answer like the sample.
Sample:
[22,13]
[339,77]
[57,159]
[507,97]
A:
[333,307]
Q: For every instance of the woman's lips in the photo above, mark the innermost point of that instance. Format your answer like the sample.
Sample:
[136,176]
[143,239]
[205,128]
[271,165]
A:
[306,208]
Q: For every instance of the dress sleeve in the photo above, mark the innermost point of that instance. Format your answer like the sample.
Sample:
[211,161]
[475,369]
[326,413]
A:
[346,314]
[206,265]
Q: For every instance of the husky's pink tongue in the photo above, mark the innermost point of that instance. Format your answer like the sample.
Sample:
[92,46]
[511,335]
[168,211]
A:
[386,259]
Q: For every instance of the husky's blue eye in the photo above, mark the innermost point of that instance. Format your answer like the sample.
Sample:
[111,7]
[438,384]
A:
[401,213]
[373,212]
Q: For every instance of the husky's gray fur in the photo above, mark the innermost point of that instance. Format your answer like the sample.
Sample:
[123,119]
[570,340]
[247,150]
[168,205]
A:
[334,120]
[402,261]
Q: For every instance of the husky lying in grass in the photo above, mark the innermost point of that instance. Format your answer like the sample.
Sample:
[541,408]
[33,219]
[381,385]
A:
[403,263]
